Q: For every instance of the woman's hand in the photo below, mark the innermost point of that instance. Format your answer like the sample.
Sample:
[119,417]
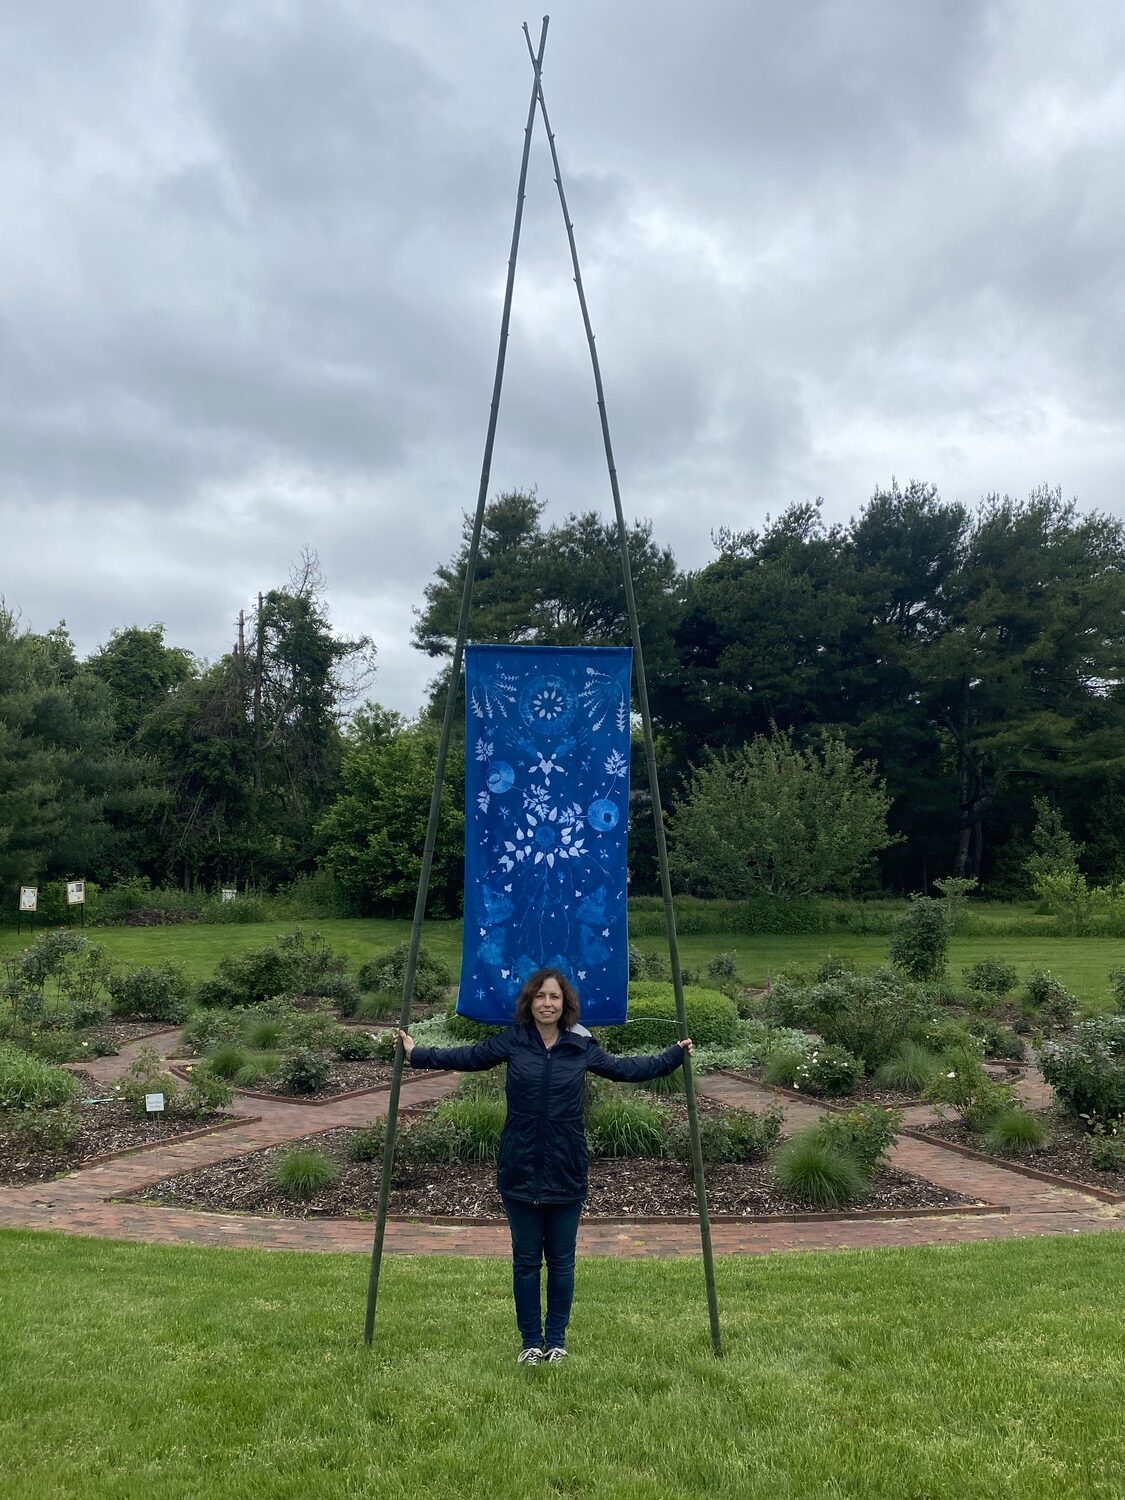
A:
[687,1044]
[407,1042]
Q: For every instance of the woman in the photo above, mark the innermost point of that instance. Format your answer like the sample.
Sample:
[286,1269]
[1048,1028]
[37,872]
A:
[541,1170]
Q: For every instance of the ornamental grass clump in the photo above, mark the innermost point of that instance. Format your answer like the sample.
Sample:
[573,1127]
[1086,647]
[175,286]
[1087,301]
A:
[911,1069]
[302,1172]
[228,1059]
[479,1119]
[29,1083]
[625,1124]
[1016,1130]
[817,1173]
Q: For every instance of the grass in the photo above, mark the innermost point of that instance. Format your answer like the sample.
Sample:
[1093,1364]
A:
[1082,964]
[922,1374]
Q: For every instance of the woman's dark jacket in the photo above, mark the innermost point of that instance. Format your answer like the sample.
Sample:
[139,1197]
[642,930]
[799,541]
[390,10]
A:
[543,1146]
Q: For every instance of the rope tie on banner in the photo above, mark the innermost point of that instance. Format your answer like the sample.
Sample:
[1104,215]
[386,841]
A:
[680,1021]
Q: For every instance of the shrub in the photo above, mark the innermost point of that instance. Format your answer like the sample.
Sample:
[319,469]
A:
[999,1041]
[816,1173]
[45,1130]
[431,1139]
[824,1069]
[1117,988]
[303,1071]
[258,974]
[920,939]
[206,1027]
[1107,1154]
[735,1135]
[1016,1130]
[834,966]
[317,1029]
[387,971]
[943,1036]
[59,982]
[358,1046]
[869,1014]
[964,1086]
[368,1144]
[146,1076]
[711,1017]
[464,1029]
[340,990]
[217,993]
[866,1133]
[911,1068]
[781,1066]
[1050,999]
[301,1173]
[205,1093]
[722,966]
[29,1083]
[625,1124]
[991,977]
[150,992]
[317,968]
[1087,1070]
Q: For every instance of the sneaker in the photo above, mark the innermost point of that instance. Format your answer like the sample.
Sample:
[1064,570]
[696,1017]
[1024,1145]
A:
[555,1356]
[530,1357]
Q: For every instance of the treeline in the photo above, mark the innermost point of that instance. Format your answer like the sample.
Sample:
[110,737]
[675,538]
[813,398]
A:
[977,657]
[974,657]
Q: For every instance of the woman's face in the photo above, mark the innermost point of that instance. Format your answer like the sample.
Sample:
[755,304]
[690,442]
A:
[548,1002]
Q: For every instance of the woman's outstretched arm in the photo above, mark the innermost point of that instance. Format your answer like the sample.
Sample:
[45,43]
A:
[637,1069]
[471,1059]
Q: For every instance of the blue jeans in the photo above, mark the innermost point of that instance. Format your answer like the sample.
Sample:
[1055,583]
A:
[543,1231]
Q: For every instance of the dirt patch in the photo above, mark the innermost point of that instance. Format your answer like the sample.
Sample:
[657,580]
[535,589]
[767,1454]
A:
[105,1127]
[619,1189]
[1066,1154]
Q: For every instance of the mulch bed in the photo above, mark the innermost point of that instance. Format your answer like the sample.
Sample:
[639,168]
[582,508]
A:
[866,1091]
[619,1189]
[345,1078]
[118,1034]
[105,1128]
[1066,1154]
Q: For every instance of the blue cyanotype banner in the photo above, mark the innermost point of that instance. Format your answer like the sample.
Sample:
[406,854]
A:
[546,819]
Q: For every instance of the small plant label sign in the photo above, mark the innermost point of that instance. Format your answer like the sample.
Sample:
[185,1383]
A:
[29,897]
[228,894]
[76,892]
[154,1104]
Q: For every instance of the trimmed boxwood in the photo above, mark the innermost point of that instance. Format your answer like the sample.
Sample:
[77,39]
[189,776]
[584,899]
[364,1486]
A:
[712,1018]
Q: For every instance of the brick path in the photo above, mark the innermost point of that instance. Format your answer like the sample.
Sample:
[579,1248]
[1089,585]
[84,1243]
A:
[79,1204]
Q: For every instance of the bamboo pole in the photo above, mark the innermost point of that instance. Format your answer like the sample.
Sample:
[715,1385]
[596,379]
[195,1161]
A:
[447,721]
[646,720]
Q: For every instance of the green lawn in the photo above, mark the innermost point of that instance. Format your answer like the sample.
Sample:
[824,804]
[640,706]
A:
[1083,964]
[922,1374]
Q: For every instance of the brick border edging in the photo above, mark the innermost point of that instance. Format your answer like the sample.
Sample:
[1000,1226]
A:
[374,1088]
[1054,1178]
[188,1135]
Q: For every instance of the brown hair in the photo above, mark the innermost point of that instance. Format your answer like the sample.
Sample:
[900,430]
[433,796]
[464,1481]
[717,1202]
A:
[532,987]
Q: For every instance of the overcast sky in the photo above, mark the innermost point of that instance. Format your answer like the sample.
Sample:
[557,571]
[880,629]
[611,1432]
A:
[252,260]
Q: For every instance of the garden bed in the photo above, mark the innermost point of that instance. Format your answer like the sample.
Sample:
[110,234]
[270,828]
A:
[620,1188]
[116,1034]
[106,1128]
[866,1091]
[344,1080]
[1066,1156]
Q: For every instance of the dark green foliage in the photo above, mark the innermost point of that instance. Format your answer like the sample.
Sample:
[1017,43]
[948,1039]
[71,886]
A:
[625,1124]
[206,1027]
[869,1014]
[816,1173]
[48,1130]
[963,1085]
[992,976]
[711,1017]
[206,1092]
[721,966]
[1049,1000]
[150,992]
[386,974]
[302,1172]
[735,1135]
[1107,1153]
[317,968]
[920,939]
[147,1076]
[1117,989]
[58,983]
[999,1041]
[464,1028]
[942,1035]
[827,1070]
[29,1083]
[358,1046]
[866,1132]
[1016,1130]
[1087,1070]
[217,993]
[367,1144]
[479,1119]
[303,1071]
